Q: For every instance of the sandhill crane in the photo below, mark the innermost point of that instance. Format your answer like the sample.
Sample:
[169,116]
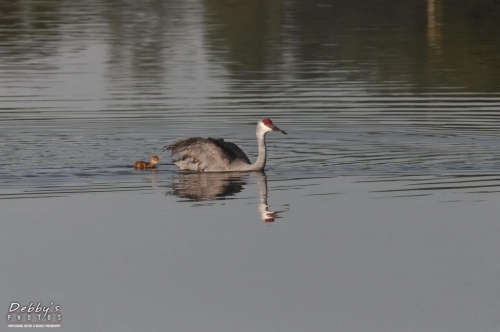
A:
[216,155]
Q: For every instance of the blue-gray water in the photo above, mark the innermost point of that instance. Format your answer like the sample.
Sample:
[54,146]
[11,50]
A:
[384,192]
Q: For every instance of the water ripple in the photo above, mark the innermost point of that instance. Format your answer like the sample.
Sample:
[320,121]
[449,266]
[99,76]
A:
[98,86]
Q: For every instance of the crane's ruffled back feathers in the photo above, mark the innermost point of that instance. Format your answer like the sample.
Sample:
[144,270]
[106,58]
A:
[232,149]
[200,154]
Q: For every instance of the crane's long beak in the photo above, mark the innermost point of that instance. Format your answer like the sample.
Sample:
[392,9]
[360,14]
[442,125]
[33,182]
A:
[274,128]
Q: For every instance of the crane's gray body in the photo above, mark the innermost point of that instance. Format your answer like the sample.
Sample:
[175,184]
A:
[216,155]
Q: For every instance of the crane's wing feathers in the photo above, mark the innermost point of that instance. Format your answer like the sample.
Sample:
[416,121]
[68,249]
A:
[183,145]
[200,153]
[231,149]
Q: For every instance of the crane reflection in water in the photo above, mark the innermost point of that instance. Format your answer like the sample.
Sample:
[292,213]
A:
[216,186]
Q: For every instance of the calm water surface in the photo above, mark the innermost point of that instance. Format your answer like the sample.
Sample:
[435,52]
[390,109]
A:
[384,193]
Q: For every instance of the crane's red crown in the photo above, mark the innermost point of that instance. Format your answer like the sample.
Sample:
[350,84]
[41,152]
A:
[267,122]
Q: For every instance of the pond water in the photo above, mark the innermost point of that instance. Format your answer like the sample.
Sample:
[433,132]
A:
[377,212]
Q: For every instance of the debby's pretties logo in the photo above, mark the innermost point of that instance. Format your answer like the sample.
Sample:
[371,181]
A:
[34,315]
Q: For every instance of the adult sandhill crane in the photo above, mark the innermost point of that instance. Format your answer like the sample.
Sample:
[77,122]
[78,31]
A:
[216,155]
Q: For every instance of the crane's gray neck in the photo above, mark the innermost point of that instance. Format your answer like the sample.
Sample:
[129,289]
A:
[260,163]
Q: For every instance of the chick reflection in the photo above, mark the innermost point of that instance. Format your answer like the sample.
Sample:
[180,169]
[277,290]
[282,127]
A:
[213,186]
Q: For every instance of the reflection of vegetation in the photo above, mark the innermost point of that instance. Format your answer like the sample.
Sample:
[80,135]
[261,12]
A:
[392,40]
[250,32]
[434,25]
[137,40]
[433,42]
[28,28]
[471,44]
